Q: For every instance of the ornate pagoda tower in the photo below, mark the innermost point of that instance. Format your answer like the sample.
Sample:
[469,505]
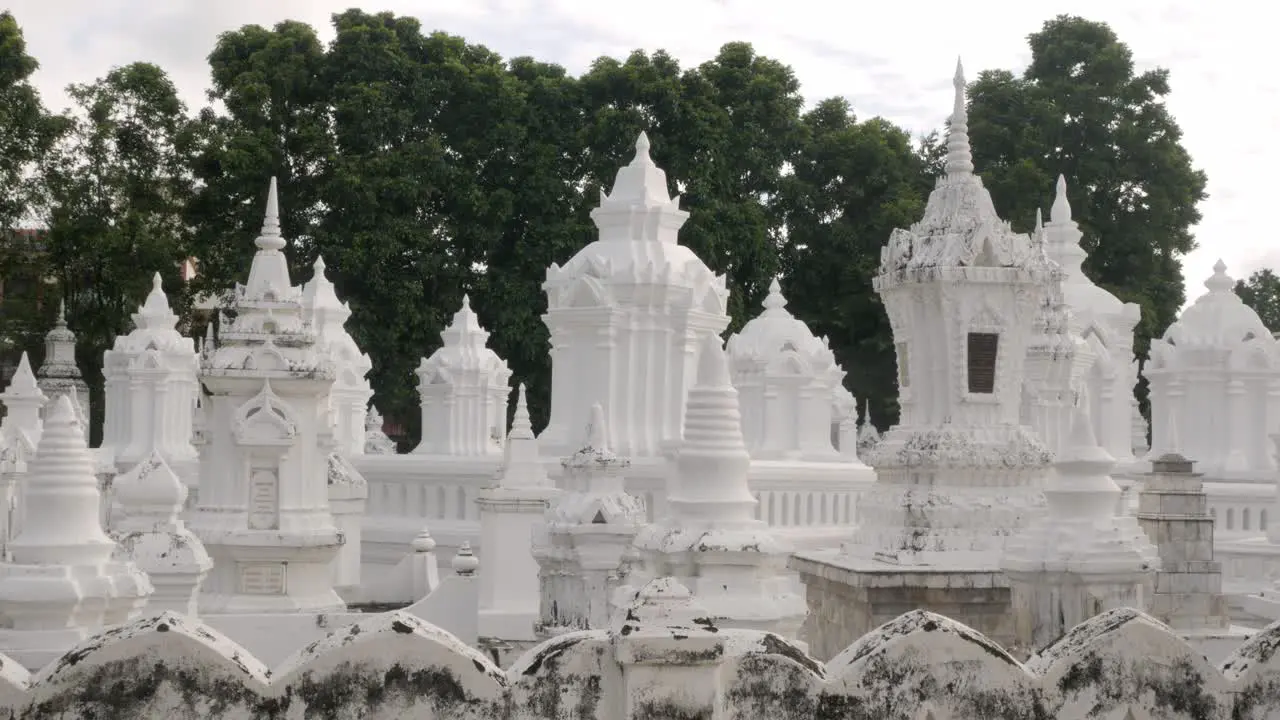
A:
[263,511]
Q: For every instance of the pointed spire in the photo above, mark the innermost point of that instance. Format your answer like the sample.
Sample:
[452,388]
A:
[1061,210]
[270,237]
[640,183]
[712,462]
[1220,281]
[62,499]
[521,466]
[959,154]
[642,147]
[61,322]
[155,312]
[465,328]
[320,296]
[23,383]
[774,300]
[521,427]
[269,272]
[1039,231]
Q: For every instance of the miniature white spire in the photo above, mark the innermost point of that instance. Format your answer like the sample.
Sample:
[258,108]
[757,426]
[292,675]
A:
[1061,210]
[638,186]
[465,328]
[23,383]
[959,154]
[61,498]
[23,400]
[321,297]
[270,269]
[774,302]
[270,237]
[521,467]
[1220,281]
[61,322]
[155,313]
[713,460]
[1062,236]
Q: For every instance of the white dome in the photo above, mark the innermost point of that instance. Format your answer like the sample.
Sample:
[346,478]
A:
[1219,318]
[637,247]
[465,350]
[775,333]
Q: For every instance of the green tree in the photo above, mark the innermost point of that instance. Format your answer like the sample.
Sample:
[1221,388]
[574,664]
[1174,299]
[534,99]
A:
[853,183]
[724,132]
[1262,293]
[276,123]
[431,155]
[27,134]
[117,188]
[545,220]
[1081,109]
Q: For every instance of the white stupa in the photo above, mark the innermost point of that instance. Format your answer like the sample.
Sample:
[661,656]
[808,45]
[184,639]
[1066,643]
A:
[711,541]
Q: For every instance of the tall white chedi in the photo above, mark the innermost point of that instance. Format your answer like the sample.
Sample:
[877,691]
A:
[349,398]
[61,583]
[1080,560]
[787,381]
[1056,362]
[1216,373]
[626,316]
[152,385]
[463,388]
[263,511]
[711,542]
[959,473]
[511,509]
[1106,324]
[59,374]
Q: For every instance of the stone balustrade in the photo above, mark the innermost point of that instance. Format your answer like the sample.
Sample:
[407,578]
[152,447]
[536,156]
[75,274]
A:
[658,659]
[812,504]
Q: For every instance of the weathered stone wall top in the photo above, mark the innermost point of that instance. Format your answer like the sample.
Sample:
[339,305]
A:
[658,660]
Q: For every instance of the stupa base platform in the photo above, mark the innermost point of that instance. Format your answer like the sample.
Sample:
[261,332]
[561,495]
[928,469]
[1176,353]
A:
[849,596]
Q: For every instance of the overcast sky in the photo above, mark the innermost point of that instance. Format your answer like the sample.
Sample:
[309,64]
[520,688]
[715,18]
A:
[889,58]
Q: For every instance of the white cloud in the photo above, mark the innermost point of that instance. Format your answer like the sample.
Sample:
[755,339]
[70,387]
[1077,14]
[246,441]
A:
[891,59]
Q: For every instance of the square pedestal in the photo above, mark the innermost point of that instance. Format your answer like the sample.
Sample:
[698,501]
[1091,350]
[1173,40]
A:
[849,597]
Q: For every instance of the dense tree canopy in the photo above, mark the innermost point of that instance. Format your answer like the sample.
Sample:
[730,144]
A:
[27,134]
[424,167]
[1262,293]
[1081,110]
